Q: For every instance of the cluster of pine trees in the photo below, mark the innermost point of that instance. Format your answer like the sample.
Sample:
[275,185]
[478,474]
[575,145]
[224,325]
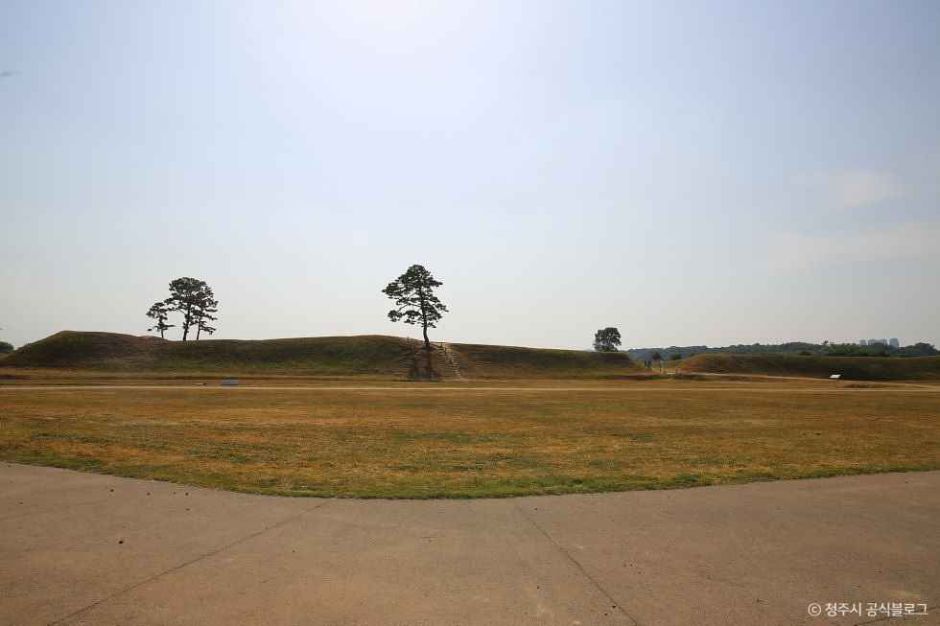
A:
[412,292]
[193,299]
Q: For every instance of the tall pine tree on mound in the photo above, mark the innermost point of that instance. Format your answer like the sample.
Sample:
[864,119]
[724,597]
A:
[416,303]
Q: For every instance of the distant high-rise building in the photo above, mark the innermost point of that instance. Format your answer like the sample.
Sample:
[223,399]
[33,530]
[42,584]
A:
[863,342]
[894,343]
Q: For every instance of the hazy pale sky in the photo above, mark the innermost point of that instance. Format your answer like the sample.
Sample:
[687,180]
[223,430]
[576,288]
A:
[691,172]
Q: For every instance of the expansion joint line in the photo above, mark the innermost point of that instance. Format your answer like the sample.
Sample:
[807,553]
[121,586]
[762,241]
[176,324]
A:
[185,564]
[577,564]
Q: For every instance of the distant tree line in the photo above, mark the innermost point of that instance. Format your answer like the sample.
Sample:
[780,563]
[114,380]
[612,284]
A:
[793,348]
[851,349]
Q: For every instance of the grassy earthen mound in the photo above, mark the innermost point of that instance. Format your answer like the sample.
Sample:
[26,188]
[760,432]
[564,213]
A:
[376,355]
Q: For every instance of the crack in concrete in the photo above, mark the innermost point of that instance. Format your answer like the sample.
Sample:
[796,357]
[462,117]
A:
[177,568]
[577,564]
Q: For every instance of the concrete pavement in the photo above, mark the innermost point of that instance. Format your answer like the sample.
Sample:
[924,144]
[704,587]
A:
[87,549]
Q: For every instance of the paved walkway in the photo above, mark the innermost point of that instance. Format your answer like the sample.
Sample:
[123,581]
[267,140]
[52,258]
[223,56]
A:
[87,549]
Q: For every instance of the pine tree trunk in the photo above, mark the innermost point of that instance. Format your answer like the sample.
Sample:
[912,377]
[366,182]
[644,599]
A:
[427,352]
[187,320]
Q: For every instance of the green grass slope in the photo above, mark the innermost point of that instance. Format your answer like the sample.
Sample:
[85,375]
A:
[484,361]
[852,368]
[325,356]
[126,353]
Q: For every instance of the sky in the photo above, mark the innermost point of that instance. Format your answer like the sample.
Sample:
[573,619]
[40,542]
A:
[689,172]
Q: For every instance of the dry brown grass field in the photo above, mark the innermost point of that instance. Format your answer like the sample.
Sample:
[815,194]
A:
[341,438]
